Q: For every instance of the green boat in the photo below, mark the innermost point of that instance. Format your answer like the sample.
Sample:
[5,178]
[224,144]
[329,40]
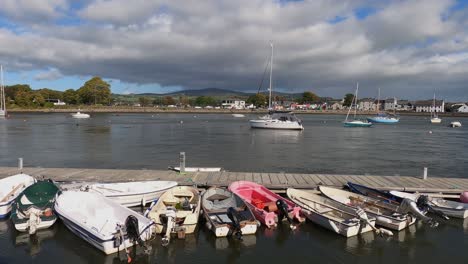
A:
[34,208]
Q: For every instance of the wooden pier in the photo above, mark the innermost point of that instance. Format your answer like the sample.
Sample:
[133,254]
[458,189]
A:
[446,187]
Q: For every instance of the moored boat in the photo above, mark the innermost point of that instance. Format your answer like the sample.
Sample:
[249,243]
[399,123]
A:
[126,193]
[176,212]
[33,209]
[332,215]
[80,115]
[279,120]
[227,214]
[10,188]
[450,208]
[386,214]
[268,207]
[103,223]
[455,124]
[355,122]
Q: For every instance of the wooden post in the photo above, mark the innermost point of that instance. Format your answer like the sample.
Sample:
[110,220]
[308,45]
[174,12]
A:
[425,173]
[182,162]
[20,163]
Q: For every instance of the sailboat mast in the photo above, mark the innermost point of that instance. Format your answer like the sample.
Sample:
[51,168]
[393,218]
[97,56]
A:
[271,75]
[2,91]
[378,102]
[433,107]
[356,100]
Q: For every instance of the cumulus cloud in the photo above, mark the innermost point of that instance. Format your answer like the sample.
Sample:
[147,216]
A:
[50,75]
[408,48]
[32,10]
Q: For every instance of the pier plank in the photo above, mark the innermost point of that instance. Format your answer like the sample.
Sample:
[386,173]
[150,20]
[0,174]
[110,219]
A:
[265,179]
[290,179]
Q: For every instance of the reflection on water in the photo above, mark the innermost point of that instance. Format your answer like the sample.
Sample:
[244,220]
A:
[32,243]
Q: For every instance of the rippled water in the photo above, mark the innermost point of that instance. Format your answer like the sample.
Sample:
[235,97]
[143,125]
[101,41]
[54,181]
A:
[325,146]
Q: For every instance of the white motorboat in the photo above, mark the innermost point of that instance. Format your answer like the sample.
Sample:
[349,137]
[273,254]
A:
[238,115]
[126,193]
[80,115]
[455,124]
[3,111]
[436,120]
[333,215]
[103,223]
[385,213]
[227,214]
[176,212]
[279,120]
[449,208]
[10,188]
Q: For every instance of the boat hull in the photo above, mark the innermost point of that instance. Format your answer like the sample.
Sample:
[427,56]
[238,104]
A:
[383,120]
[12,186]
[357,124]
[44,224]
[275,124]
[436,120]
[336,226]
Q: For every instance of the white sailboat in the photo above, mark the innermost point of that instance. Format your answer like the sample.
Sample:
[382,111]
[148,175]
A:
[355,122]
[434,117]
[3,111]
[277,120]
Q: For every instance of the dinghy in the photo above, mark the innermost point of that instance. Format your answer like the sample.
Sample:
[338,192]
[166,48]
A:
[10,188]
[268,207]
[126,193]
[34,208]
[418,208]
[386,214]
[176,212]
[334,216]
[450,208]
[103,223]
[227,214]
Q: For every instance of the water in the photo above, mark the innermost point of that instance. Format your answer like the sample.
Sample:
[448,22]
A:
[154,141]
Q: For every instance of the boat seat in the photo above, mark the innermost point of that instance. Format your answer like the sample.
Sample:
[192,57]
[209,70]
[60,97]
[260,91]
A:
[183,213]
[171,201]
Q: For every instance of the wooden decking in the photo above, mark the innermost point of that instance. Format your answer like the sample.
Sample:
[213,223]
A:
[277,181]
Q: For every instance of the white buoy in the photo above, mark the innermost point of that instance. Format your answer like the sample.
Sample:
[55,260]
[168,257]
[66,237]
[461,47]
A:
[430,131]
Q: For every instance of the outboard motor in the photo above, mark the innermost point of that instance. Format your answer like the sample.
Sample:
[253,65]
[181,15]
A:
[235,219]
[409,206]
[133,232]
[283,212]
[423,204]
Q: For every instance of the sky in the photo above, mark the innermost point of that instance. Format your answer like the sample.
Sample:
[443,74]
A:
[408,49]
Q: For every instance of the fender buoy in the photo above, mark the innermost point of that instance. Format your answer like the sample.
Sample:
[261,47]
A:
[464,197]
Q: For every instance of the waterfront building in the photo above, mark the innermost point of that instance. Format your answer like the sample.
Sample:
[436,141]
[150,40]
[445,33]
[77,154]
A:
[367,104]
[233,104]
[427,106]
[459,108]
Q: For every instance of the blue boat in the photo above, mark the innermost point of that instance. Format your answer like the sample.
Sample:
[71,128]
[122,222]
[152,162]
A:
[383,118]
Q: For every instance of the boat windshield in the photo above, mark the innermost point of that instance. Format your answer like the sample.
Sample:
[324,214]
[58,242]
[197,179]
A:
[285,117]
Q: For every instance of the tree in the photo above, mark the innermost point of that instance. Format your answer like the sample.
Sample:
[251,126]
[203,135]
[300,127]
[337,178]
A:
[144,101]
[205,100]
[259,100]
[12,91]
[23,98]
[95,91]
[348,99]
[38,99]
[168,100]
[50,94]
[309,97]
[71,96]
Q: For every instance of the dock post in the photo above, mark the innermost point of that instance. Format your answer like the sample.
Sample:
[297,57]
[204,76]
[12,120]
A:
[182,162]
[20,163]
[425,173]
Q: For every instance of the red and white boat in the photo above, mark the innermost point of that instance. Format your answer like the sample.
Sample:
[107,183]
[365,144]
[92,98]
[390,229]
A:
[267,206]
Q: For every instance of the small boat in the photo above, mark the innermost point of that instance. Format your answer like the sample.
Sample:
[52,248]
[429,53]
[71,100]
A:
[386,214]
[455,124]
[355,122]
[279,120]
[227,214]
[80,115]
[238,115]
[176,212]
[34,208]
[334,216]
[383,118]
[10,188]
[126,193]
[418,209]
[103,223]
[450,208]
[434,117]
[196,169]
[268,207]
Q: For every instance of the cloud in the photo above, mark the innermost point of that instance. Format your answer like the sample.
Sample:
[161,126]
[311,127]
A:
[38,11]
[50,75]
[407,48]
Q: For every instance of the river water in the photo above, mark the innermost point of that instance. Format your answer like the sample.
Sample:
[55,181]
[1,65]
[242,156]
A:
[153,141]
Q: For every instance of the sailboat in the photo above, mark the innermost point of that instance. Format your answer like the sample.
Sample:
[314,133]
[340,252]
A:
[383,117]
[3,111]
[276,120]
[434,118]
[355,122]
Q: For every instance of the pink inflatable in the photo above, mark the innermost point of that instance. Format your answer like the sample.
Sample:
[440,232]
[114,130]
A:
[464,197]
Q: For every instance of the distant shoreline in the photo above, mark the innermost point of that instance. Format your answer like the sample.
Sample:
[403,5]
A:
[205,111]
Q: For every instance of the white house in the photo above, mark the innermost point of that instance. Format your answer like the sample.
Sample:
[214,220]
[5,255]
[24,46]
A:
[390,104]
[367,104]
[428,106]
[460,108]
[233,104]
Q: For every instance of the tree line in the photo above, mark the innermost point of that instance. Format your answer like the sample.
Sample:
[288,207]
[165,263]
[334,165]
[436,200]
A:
[94,91]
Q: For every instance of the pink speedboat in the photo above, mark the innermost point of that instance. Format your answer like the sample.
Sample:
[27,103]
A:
[267,206]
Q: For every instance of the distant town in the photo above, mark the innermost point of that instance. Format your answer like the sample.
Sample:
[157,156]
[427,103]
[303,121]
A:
[96,93]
